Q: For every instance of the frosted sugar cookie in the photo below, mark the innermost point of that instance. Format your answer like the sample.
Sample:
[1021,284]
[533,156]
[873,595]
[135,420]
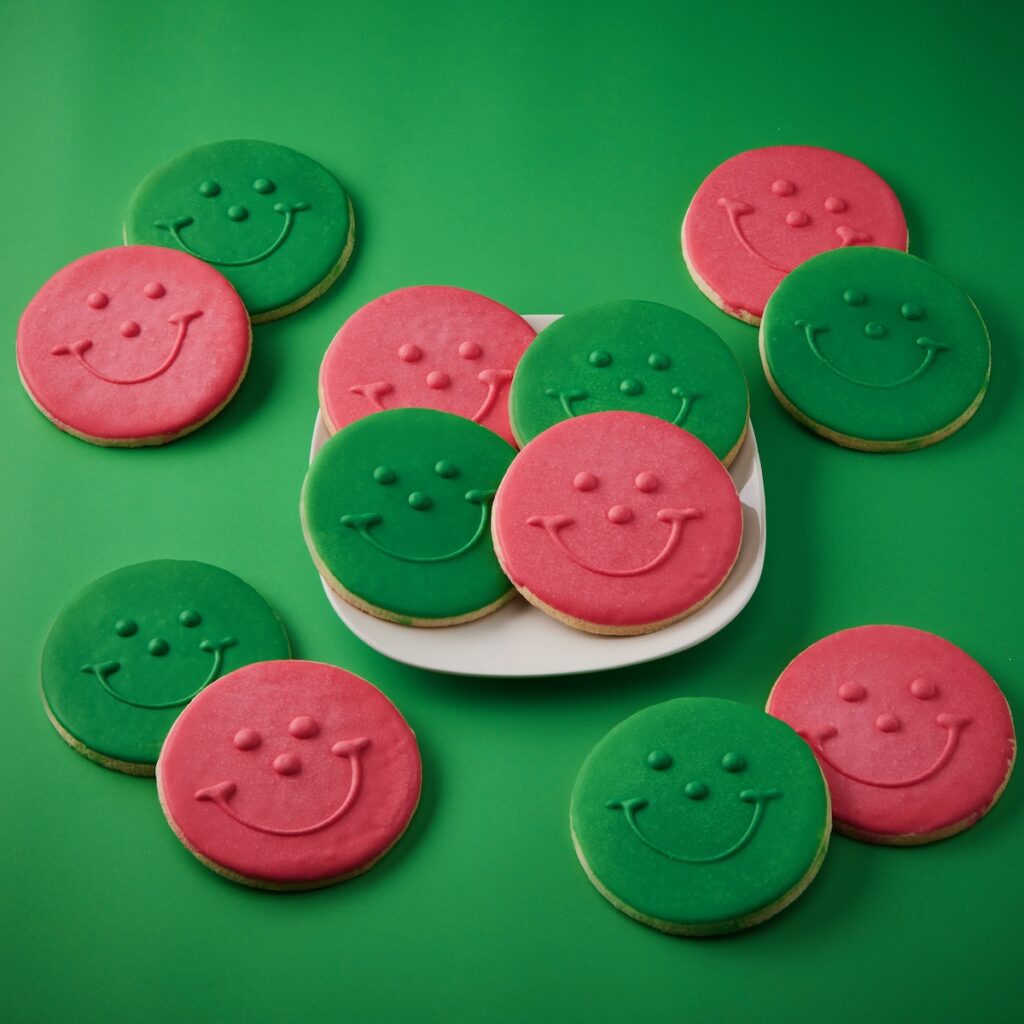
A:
[396,512]
[289,775]
[128,652]
[638,357]
[913,735]
[277,224]
[874,349]
[766,211]
[133,346]
[617,523]
[700,816]
[429,346]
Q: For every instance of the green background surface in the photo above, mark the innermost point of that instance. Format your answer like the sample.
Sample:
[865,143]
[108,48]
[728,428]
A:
[542,154]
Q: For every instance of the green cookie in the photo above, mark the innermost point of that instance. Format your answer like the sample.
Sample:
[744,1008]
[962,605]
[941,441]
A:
[635,356]
[874,349]
[278,225]
[701,816]
[396,511]
[128,652]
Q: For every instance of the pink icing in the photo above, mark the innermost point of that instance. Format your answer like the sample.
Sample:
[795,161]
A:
[290,772]
[765,211]
[138,342]
[429,346]
[617,519]
[912,734]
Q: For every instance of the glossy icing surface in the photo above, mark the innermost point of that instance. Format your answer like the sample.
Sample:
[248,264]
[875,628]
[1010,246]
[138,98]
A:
[396,510]
[913,735]
[290,773]
[617,519]
[876,346]
[130,650]
[275,222]
[635,356]
[765,211]
[427,346]
[134,343]
[699,813]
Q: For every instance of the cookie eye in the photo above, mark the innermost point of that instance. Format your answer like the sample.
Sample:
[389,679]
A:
[584,481]
[410,353]
[154,290]
[303,727]
[446,469]
[852,692]
[385,475]
[911,311]
[923,689]
[470,350]
[783,187]
[247,739]
[658,361]
[190,618]
[599,358]
[209,189]
[853,297]
[126,627]
[646,482]
[97,300]
[263,186]
[659,760]
[835,205]
[733,762]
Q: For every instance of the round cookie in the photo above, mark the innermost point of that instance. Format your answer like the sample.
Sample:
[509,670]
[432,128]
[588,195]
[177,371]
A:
[129,651]
[617,523]
[133,346]
[395,511]
[289,775]
[700,816]
[431,347]
[277,224]
[636,356]
[913,735]
[766,211]
[874,349]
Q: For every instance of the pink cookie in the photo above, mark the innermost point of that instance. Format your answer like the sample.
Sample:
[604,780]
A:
[289,775]
[765,211]
[429,347]
[133,346]
[913,735]
[617,523]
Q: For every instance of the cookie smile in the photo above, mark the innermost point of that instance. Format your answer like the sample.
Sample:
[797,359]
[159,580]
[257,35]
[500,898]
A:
[953,724]
[79,348]
[105,669]
[494,379]
[287,210]
[567,396]
[553,525]
[221,793]
[750,796]
[362,523]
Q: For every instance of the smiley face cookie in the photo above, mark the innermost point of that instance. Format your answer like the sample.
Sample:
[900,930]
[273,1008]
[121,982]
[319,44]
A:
[913,735]
[396,512]
[874,349]
[700,816]
[277,224]
[617,523]
[289,775]
[431,347]
[636,356]
[133,346]
[128,652]
[764,212]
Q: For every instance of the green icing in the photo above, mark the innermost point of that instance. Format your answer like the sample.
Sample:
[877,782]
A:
[638,356]
[876,346]
[276,223]
[700,813]
[397,509]
[131,649]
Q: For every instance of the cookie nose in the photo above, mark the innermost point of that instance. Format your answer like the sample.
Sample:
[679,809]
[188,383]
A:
[631,387]
[887,723]
[129,329]
[287,764]
[438,380]
[695,790]
[873,329]
[237,212]
[420,501]
[620,514]
[797,219]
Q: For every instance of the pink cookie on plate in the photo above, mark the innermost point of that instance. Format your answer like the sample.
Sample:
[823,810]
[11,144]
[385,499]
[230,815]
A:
[765,211]
[913,735]
[617,523]
[430,347]
[133,346]
[289,775]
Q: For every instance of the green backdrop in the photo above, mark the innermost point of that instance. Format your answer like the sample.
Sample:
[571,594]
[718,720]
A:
[543,154]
